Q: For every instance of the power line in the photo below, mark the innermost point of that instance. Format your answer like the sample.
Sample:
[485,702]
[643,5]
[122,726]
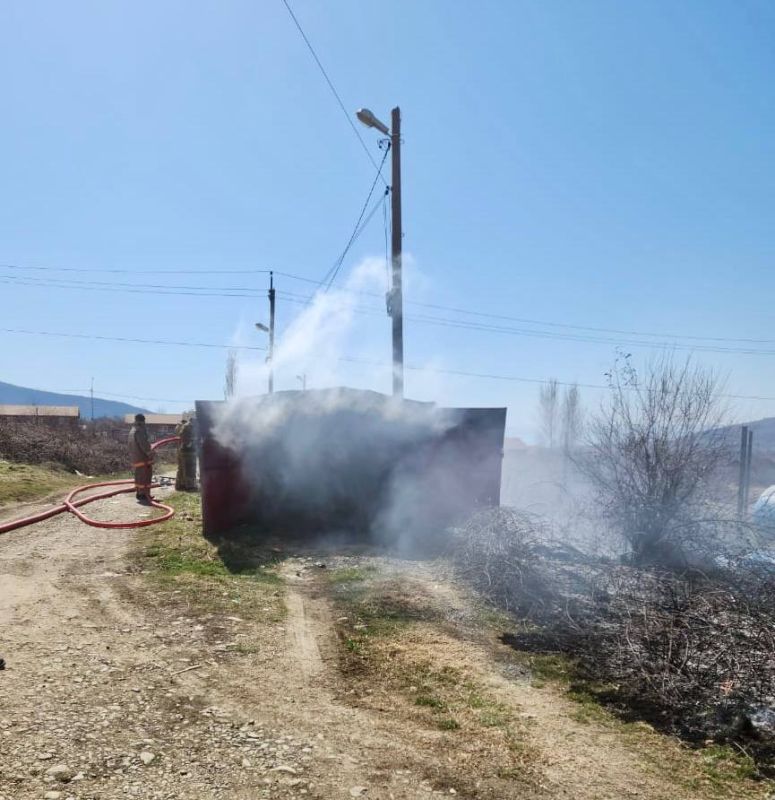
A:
[388,227]
[134,271]
[552,335]
[516,378]
[120,290]
[102,394]
[134,286]
[426,319]
[525,321]
[334,91]
[130,340]
[569,337]
[349,359]
[293,276]
[357,230]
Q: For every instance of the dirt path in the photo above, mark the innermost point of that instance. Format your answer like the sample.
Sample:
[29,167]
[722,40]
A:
[115,690]
[105,698]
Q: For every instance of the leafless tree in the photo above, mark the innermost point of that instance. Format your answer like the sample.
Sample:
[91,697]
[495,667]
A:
[549,411]
[652,450]
[232,368]
[571,419]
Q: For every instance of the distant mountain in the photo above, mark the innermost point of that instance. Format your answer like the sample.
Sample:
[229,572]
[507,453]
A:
[21,395]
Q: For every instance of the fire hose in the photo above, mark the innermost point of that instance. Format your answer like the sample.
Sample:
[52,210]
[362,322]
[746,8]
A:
[72,505]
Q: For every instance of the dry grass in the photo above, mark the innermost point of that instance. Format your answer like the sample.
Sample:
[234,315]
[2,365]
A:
[179,559]
[394,654]
[25,482]
[401,652]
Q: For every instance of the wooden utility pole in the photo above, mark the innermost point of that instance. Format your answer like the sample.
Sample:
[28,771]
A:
[396,293]
[271,333]
[92,399]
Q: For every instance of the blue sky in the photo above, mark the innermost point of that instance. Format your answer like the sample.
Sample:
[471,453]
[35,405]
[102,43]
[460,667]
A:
[595,164]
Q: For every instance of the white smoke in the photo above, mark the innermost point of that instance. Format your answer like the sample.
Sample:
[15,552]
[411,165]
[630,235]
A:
[333,324]
[334,456]
[328,460]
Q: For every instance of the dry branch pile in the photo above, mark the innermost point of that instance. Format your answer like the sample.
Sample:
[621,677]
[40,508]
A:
[692,653]
[75,448]
[497,551]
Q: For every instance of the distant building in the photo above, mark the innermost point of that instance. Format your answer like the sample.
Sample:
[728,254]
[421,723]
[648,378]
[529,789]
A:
[48,415]
[158,424]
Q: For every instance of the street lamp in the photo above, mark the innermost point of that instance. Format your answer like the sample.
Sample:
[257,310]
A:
[370,121]
[395,300]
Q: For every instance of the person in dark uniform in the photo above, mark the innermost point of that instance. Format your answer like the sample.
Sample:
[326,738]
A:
[185,480]
[141,458]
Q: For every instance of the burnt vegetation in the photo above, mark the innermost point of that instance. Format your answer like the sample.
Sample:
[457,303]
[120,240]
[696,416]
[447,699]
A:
[670,626]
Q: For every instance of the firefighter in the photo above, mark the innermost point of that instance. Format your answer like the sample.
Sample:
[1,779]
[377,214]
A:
[141,457]
[185,480]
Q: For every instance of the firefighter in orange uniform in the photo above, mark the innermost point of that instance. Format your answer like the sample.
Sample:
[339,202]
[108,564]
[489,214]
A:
[141,457]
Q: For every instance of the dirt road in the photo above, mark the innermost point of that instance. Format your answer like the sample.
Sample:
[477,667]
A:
[118,686]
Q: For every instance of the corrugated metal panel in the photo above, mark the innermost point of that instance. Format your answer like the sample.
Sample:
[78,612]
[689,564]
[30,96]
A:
[39,411]
[156,419]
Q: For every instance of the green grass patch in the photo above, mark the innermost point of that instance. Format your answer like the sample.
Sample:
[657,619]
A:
[493,719]
[722,762]
[348,575]
[382,614]
[228,578]
[20,483]
[588,708]
[354,645]
[430,702]
[245,649]
[549,667]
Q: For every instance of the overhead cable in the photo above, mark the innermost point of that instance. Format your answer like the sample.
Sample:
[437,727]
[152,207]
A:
[330,276]
[331,86]
[304,279]
[350,359]
[91,336]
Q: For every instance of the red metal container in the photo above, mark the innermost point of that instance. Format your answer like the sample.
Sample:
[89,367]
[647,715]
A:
[333,460]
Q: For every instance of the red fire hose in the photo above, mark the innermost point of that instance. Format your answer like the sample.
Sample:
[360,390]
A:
[72,505]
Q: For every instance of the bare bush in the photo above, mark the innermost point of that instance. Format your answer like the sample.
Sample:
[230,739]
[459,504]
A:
[73,448]
[498,552]
[651,453]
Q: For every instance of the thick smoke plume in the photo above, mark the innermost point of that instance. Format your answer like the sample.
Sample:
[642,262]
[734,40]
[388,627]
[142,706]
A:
[331,460]
[334,460]
[328,327]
